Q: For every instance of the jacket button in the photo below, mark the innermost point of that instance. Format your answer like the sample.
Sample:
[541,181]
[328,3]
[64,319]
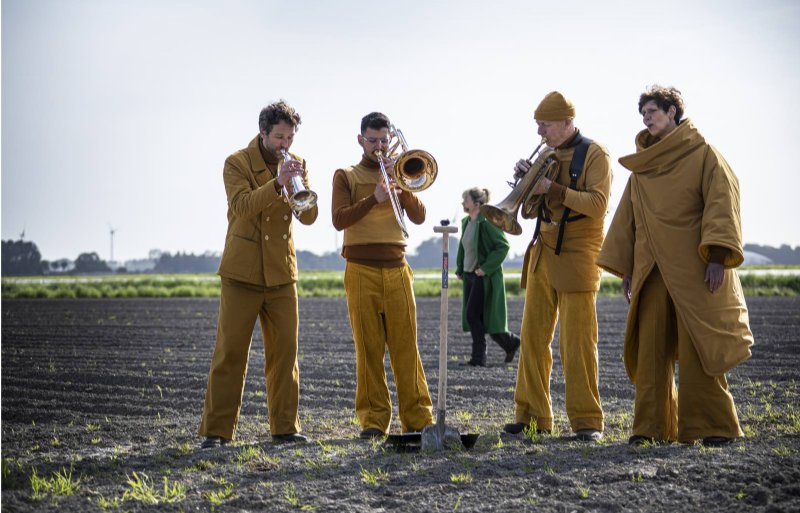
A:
[285,218]
[284,236]
[267,218]
[266,237]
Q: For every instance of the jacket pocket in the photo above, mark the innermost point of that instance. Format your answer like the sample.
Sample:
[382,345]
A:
[241,258]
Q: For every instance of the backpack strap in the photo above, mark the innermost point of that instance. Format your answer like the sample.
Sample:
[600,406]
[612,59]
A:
[581,145]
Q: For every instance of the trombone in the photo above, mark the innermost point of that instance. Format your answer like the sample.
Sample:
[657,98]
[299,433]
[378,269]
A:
[300,198]
[414,171]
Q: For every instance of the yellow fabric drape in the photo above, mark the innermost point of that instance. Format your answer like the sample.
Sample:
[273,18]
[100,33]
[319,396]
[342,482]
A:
[682,198]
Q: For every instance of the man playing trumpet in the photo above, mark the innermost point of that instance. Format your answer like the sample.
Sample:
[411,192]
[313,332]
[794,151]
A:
[378,284]
[561,278]
[259,275]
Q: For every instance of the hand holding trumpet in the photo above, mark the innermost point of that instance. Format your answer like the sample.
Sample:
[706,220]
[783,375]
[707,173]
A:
[289,169]
[291,173]
[521,168]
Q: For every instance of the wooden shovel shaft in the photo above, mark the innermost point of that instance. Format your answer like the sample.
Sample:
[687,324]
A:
[441,401]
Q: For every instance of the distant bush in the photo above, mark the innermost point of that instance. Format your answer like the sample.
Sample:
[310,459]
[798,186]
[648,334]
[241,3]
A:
[770,285]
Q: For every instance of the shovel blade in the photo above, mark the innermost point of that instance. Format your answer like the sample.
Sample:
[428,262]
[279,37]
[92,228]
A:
[413,442]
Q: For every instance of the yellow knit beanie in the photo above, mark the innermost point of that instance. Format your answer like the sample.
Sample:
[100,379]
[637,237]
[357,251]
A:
[554,107]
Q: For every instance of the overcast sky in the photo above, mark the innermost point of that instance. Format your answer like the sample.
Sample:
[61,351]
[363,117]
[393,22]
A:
[121,113]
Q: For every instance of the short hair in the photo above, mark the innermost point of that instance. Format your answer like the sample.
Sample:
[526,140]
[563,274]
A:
[374,120]
[665,97]
[478,195]
[276,112]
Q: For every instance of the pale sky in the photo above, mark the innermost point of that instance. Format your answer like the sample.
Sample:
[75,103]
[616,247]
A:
[122,112]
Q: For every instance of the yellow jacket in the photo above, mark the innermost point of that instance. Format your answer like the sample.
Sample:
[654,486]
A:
[574,269]
[681,199]
[259,248]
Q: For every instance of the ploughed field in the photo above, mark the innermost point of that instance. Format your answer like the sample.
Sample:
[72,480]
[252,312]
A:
[101,400]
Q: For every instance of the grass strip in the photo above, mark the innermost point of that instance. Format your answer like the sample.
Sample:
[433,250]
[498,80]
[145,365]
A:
[310,284]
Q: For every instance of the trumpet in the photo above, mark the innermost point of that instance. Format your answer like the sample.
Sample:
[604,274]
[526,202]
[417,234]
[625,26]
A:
[504,214]
[300,198]
[414,171]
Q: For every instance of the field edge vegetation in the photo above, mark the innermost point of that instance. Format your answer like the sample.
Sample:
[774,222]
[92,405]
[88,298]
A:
[427,283]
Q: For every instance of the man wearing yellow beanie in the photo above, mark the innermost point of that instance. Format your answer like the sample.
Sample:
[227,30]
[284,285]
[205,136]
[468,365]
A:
[561,278]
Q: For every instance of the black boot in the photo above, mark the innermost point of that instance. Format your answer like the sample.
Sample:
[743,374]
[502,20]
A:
[478,358]
[473,363]
[508,342]
[512,350]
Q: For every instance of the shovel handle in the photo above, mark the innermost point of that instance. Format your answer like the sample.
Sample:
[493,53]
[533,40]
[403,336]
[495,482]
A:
[441,400]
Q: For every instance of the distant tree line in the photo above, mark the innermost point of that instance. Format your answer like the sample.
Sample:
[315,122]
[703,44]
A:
[22,258]
[187,263]
[784,255]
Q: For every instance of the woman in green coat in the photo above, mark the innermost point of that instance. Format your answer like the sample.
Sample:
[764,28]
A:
[479,265]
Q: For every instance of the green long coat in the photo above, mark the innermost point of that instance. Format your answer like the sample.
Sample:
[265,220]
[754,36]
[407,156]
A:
[492,248]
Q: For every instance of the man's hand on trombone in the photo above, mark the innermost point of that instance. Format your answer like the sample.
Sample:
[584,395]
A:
[381,189]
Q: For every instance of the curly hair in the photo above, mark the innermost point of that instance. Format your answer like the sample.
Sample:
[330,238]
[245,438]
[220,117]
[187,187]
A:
[478,195]
[665,97]
[276,112]
[374,120]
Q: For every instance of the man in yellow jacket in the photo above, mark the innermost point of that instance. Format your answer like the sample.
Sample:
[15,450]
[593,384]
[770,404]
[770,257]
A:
[379,287]
[259,275]
[562,279]
[675,241]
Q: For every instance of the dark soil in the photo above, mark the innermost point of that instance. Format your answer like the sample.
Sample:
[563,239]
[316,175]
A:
[112,391]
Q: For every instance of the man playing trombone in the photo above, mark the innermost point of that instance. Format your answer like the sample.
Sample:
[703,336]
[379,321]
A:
[378,283]
[259,276]
[561,278]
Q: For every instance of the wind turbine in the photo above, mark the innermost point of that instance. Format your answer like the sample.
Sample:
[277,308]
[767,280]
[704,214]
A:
[111,232]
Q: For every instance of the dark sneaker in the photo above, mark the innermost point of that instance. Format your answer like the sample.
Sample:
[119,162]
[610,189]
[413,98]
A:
[588,435]
[370,433]
[716,441]
[642,441]
[291,438]
[213,441]
[519,427]
[515,428]
[513,349]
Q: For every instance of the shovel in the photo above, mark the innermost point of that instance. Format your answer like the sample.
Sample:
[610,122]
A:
[438,436]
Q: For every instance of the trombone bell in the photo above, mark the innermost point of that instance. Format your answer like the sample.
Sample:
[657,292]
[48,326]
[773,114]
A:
[415,170]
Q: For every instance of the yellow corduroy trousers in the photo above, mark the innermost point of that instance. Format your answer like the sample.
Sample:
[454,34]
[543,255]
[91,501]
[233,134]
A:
[575,311]
[701,406]
[383,314]
[239,306]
